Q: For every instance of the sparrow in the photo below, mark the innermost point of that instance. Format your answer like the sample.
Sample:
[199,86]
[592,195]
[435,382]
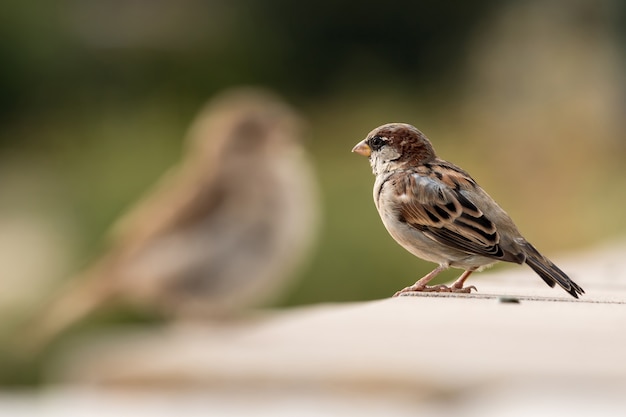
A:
[439,213]
[224,230]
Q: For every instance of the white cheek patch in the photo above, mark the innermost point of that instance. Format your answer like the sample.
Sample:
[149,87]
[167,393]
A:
[389,154]
[383,160]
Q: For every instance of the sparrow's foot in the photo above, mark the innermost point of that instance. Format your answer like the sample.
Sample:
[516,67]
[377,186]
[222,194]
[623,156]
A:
[466,290]
[423,288]
[435,288]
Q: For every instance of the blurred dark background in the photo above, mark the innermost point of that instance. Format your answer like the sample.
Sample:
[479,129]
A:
[96,96]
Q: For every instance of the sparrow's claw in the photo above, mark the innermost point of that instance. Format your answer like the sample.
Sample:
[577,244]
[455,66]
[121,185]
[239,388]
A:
[435,288]
[465,290]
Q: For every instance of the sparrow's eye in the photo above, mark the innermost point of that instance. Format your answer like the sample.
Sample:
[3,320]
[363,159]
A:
[376,142]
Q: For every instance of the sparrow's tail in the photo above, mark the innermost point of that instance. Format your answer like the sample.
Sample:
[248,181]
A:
[75,301]
[551,273]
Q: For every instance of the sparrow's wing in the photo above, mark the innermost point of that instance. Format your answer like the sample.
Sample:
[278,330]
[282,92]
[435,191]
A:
[438,203]
[179,199]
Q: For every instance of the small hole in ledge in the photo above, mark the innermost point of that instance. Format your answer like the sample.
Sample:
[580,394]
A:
[508,300]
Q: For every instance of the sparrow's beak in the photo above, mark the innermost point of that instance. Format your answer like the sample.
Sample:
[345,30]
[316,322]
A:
[362,148]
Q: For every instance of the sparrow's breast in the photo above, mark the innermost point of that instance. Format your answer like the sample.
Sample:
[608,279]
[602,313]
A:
[414,240]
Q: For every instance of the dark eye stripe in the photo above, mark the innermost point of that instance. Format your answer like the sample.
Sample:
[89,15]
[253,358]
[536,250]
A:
[376,143]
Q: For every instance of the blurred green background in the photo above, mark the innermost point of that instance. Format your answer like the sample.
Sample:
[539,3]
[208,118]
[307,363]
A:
[96,97]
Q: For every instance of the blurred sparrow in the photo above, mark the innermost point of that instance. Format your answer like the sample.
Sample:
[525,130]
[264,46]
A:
[222,231]
[436,211]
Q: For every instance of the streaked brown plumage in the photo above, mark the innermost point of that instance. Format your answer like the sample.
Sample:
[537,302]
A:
[436,211]
[222,231]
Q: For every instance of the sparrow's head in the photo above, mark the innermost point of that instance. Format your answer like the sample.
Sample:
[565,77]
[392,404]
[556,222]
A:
[395,145]
[246,122]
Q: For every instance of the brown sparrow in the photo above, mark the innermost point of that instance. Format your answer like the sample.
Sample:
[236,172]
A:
[436,211]
[222,231]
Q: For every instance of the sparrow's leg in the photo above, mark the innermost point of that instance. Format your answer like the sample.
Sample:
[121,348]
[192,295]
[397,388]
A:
[458,284]
[420,285]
